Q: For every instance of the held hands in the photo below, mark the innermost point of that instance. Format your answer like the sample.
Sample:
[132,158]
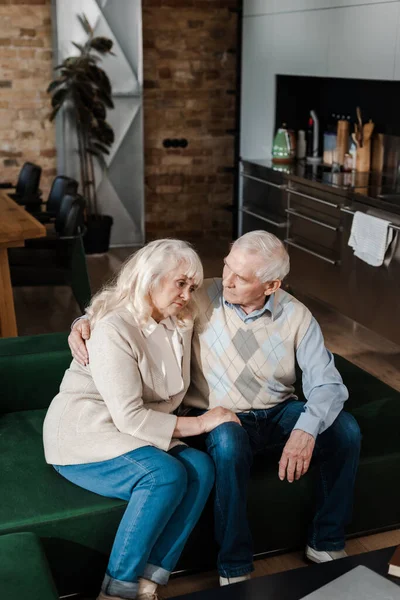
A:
[76,340]
[217,416]
[296,455]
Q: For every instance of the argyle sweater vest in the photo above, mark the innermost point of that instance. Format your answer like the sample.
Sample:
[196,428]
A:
[244,366]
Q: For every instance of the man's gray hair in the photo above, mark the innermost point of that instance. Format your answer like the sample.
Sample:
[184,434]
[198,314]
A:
[270,249]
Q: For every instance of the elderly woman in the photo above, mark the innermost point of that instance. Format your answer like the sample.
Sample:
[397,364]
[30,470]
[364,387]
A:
[113,427]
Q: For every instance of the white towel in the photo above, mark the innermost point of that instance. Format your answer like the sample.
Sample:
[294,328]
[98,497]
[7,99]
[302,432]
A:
[370,238]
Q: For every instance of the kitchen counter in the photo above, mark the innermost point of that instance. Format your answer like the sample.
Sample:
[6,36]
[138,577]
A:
[367,188]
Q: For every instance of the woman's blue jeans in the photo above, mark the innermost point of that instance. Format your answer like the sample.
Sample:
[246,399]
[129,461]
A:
[232,448]
[166,493]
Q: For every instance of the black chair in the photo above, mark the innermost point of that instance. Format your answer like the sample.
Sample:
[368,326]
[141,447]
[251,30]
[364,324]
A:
[61,186]
[27,192]
[59,258]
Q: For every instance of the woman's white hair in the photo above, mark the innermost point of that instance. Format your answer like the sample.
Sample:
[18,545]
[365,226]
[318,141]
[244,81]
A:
[273,254]
[142,273]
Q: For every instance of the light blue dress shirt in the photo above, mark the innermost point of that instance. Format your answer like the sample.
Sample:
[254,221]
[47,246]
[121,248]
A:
[323,386]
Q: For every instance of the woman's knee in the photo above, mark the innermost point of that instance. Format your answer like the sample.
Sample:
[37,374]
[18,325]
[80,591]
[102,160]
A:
[199,467]
[168,471]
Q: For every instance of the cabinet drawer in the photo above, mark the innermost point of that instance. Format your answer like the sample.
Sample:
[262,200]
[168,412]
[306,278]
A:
[265,195]
[314,229]
[273,223]
[314,201]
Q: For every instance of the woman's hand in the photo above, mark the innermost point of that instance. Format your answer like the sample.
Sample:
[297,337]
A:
[76,340]
[189,426]
[217,416]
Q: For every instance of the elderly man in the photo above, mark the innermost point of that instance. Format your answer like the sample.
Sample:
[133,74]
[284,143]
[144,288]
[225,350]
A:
[247,339]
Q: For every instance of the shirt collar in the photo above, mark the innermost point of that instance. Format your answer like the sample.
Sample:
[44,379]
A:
[152,325]
[268,306]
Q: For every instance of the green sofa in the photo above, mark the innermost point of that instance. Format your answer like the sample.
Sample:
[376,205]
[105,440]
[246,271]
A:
[77,527]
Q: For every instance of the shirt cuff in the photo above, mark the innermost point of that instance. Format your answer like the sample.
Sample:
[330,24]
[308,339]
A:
[78,319]
[309,424]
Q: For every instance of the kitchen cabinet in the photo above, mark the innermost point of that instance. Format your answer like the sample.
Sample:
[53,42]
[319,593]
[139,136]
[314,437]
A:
[258,88]
[314,243]
[363,41]
[301,43]
[263,200]
[262,7]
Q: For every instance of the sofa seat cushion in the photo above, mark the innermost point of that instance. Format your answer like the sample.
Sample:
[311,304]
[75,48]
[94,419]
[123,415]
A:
[77,527]
[24,571]
[46,497]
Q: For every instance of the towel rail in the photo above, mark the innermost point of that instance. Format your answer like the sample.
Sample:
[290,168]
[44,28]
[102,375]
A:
[351,212]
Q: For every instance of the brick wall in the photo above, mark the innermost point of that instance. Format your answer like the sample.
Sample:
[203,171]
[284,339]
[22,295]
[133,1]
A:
[188,68]
[25,72]
[189,64]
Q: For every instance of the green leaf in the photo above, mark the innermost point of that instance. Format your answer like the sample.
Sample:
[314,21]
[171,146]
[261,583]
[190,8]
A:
[59,97]
[101,148]
[56,83]
[99,157]
[101,44]
[80,48]
[54,112]
[85,24]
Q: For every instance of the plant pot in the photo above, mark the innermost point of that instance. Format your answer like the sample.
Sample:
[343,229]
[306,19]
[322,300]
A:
[97,237]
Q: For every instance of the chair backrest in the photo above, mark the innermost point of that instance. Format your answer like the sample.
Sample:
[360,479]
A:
[28,179]
[69,220]
[61,186]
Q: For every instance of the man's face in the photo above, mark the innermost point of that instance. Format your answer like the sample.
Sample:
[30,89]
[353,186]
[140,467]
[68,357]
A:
[241,286]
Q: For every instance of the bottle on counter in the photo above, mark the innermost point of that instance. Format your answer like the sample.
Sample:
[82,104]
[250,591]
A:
[313,156]
[301,144]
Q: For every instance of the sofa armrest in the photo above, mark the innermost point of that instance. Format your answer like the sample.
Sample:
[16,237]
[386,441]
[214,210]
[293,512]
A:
[31,370]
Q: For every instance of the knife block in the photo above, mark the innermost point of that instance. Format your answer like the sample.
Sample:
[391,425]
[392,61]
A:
[363,157]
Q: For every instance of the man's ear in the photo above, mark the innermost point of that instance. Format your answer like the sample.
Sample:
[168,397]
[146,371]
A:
[272,286]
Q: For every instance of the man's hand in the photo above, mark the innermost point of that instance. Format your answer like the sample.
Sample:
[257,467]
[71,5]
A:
[76,340]
[296,455]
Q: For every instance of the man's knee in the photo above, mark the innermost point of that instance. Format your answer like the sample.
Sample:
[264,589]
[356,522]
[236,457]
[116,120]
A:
[348,432]
[229,442]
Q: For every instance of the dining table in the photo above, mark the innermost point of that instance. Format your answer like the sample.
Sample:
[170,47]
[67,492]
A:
[16,226]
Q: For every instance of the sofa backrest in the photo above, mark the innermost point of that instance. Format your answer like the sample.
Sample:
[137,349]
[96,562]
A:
[31,369]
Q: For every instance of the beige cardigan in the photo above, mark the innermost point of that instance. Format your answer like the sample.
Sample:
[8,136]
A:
[118,403]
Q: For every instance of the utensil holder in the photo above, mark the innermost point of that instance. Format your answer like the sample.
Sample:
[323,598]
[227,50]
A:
[342,144]
[363,157]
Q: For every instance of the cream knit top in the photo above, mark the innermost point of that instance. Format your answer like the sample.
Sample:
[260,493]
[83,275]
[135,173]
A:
[121,401]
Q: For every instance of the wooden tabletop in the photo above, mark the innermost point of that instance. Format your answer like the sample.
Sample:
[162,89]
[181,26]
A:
[16,224]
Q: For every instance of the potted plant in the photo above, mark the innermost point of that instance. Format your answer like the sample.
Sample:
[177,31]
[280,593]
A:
[84,90]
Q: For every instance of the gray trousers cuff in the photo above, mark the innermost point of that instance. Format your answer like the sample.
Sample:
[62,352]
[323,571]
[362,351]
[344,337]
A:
[156,574]
[115,587]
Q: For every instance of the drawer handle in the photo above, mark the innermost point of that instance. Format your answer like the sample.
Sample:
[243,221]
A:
[290,211]
[295,193]
[270,221]
[351,212]
[290,242]
[275,185]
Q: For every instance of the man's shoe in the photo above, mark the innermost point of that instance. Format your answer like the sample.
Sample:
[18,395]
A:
[322,556]
[230,580]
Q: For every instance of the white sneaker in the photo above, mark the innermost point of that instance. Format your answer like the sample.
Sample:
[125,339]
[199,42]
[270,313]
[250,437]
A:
[230,580]
[322,556]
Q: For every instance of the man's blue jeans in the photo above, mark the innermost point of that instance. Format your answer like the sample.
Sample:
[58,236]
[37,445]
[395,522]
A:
[232,448]
[166,493]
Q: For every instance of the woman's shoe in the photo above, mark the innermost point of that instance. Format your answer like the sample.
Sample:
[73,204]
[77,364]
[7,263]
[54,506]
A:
[103,596]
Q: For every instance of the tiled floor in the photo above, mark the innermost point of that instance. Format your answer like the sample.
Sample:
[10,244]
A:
[53,309]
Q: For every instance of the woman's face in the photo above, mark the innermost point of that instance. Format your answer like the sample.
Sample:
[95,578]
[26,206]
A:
[172,294]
